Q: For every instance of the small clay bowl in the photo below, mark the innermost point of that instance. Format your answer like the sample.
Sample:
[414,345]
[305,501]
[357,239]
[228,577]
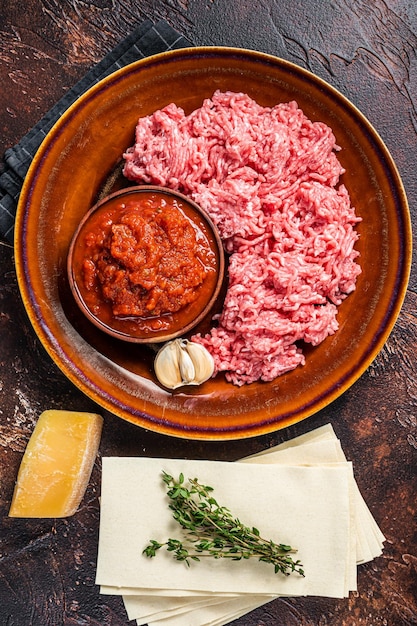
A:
[142,327]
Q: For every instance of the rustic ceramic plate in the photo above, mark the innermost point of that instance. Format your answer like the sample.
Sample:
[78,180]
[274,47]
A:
[78,162]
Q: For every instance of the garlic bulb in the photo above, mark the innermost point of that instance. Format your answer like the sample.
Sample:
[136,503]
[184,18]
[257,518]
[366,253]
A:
[182,362]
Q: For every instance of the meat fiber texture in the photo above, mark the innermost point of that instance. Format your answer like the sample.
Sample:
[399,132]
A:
[270,180]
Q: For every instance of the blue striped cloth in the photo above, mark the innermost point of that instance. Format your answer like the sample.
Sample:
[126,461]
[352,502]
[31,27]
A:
[144,41]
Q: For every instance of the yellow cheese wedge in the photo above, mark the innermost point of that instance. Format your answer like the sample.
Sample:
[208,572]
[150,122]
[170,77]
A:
[57,464]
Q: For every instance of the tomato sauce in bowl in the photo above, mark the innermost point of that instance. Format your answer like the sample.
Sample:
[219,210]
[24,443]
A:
[146,264]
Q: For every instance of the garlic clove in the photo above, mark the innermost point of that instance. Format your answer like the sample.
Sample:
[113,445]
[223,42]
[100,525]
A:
[182,362]
[203,361]
[185,363]
[166,366]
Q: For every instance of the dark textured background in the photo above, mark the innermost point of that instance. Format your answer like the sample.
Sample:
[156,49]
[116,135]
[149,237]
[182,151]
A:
[366,49]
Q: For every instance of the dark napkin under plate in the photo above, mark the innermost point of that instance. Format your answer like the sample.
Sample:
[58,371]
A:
[144,41]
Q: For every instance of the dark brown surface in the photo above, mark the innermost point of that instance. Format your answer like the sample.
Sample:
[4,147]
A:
[368,51]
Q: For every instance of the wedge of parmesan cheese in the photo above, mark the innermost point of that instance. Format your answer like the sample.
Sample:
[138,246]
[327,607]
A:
[57,464]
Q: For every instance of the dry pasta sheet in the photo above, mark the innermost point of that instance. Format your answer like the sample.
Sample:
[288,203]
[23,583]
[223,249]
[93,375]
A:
[302,492]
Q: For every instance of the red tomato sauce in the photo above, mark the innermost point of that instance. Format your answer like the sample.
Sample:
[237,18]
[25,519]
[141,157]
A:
[144,258]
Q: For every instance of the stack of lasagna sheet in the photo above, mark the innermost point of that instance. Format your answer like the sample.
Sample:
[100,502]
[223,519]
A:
[302,493]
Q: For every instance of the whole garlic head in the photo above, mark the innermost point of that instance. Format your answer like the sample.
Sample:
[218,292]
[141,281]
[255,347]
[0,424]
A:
[182,362]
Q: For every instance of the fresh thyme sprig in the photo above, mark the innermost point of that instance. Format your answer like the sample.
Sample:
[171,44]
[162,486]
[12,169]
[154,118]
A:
[211,530]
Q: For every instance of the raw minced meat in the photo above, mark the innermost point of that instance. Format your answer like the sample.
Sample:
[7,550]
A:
[270,180]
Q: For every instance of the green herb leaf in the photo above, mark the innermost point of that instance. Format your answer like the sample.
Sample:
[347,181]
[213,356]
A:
[212,531]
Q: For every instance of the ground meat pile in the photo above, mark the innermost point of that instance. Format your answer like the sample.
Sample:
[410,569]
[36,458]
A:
[269,178]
